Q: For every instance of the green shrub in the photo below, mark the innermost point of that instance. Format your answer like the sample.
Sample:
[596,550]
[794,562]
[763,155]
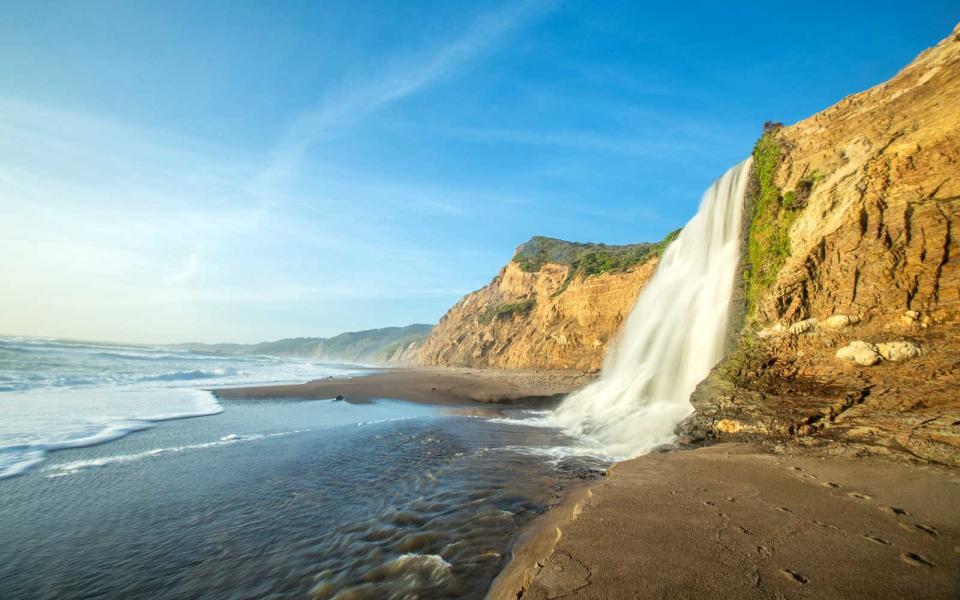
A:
[507,311]
[805,187]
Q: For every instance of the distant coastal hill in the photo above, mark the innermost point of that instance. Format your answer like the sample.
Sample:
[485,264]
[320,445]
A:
[384,346]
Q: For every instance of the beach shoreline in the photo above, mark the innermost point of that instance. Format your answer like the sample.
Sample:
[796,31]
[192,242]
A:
[437,385]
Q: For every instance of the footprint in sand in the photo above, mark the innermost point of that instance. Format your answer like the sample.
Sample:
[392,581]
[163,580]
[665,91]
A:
[826,525]
[896,510]
[794,575]
[912,558]
[830,484]
[926,529]
[808,476]
[860,496]
[709,503]
[876,540]
[744,530]
[784,509]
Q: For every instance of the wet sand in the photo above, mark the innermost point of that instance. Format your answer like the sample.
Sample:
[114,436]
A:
[734,521]
[434,386]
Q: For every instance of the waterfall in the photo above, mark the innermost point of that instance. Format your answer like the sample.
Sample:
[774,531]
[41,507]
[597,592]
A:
[672,338]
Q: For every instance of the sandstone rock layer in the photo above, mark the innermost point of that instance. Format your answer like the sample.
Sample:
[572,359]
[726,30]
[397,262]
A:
[543,319]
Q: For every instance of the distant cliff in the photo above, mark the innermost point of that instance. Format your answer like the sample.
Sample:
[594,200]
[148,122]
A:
[850,288]
[555,305]
[385,346]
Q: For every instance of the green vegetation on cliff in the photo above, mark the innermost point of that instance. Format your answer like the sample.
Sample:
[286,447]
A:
[503,311]
[591,259]
[586,259]
[773,213]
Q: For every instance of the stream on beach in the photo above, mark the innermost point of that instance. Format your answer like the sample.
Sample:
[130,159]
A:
[284,499]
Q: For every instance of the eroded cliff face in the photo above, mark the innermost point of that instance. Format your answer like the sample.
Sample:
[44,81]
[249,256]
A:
[876,235]
[405,354]
[550,318]
[854,237]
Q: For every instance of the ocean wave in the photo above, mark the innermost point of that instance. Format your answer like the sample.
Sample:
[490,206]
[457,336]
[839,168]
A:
[18,458]
[53,343]
[80,465]
[166,354]
[149,356]
[192,375]
[69,468]
[413,571]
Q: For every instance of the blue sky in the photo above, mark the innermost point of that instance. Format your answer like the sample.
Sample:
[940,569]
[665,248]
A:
[238,171]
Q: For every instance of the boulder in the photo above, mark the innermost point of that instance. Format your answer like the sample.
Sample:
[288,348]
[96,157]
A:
[804,326]
[860,353]
[840,321]
[909,317]
[771,331]
[899,350]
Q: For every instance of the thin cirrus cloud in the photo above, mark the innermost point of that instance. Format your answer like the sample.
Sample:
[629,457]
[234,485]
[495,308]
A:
[107,223]
[347,105]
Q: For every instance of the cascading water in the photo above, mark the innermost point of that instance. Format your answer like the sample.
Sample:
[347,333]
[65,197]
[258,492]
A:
[673,336]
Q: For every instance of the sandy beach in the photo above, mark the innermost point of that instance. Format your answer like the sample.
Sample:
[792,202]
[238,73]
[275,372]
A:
[431,385]
[736,521]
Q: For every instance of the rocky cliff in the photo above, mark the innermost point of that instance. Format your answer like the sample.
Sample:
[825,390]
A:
[555,305]
[850,296]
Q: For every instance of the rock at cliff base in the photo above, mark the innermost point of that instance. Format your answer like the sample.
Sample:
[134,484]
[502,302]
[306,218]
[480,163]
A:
[841,321]
[773,330]
[804,326]
[900,350]
[910,318]
[861,353]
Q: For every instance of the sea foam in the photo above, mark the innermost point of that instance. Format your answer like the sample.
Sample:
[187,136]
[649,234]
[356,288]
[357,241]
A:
[59,394]
[65,419]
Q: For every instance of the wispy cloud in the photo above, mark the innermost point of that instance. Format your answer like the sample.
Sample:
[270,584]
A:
[400,79]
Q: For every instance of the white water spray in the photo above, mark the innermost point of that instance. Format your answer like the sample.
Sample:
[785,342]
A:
[673,336]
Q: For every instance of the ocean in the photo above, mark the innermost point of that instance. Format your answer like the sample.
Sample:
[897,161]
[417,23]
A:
[57,394]
[123,478]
